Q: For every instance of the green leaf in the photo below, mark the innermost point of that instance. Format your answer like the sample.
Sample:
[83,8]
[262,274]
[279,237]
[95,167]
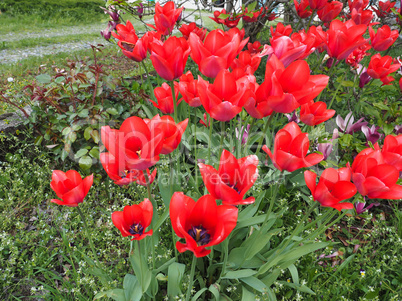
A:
[81,153]
[252,6]
[63,155]
[85,162]
[214,289]
[247,295]
[94,152]
[87,133]
[84,113]
[95,136]
[237,260]
[347,83]
[257,241]
[381,106]
[239,274]
[112,111]
[271,277]
[295,275]
[254,283]
[132,288]
[116,294]
[140,268]
[43,78]
[175,275]
[38,140]
[66,131]
[198,294]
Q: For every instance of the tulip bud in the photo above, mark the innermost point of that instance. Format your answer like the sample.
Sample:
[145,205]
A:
[364,79]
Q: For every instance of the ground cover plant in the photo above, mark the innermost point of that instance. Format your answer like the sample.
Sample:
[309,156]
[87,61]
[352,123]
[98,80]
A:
[228,170]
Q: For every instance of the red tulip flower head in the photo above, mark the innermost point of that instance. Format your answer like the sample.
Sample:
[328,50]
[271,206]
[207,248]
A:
[233,179]
[118,172]
[223,99]
[166,17]
[381,67]
[188,89]
[70,187]
[317,4]
[330,11]
[303,8]
[132,47]
[134,220]
[333,187]
[172,132]
[170,57]
[217,52]
[392,151]
[375,178]
[165,100]
[343,38]
[192,27]
[290,149]
[384,38]
[313,113]
[134,144]
[202,224]
[384,8]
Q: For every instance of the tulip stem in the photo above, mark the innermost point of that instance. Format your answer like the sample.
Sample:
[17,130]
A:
[333,98]
[171,194]
[154,215]
[263,133]
[223,132]
[174,101]
[273,198]
[91,244]
[149,82]
[190,285]
[248,138]
[211,123]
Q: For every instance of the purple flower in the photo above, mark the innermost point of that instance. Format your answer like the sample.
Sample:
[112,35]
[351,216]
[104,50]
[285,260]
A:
[347,126]
[360,207]
[293,117]
[114,14]
[371,134]
[398,129]
[245,134]
[327,147]
[140,10]
[364,79]
[106,33]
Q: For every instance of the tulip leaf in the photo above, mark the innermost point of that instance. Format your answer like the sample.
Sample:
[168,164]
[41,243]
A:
[214,289]
[198,294]
[299,287]
[175,275]
[165,265]
[255,283]
[116,294]
[257,241]
[237,260]
[239,274]
[132,288]
[142,271]
[295,275]
[247,295]
[271,278]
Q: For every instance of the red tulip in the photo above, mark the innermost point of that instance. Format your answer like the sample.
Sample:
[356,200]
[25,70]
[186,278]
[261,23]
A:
[254,48]
[343,38]
[330,11]
[313,113]
[202,224]
[172,132]
[164,97]
[287,50]
[361,16]
[118,172]
[230,21]
[373,177]
[392,151]
[70,187]
[217,52]
[254,18]
[133,144]
[192,27]
[134,220]
[170,57]
[357,4]
[233,179]
[320,37]
[384,8]
[223,99]
[287,88]
[303,8]
[384,37]
[290,149]
[317,4]
[333,187]
[166,17]
[358,54]
[246,62]
[132,47]
[281,30]
[188,89]
[380,67]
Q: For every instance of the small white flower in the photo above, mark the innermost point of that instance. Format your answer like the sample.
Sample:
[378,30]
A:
[10,79]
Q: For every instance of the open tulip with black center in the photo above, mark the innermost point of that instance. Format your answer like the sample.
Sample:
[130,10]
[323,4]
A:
[202,224]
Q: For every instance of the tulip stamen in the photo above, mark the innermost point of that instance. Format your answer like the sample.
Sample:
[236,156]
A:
[136,229]
[138,152]
[200,235]
[128,46]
